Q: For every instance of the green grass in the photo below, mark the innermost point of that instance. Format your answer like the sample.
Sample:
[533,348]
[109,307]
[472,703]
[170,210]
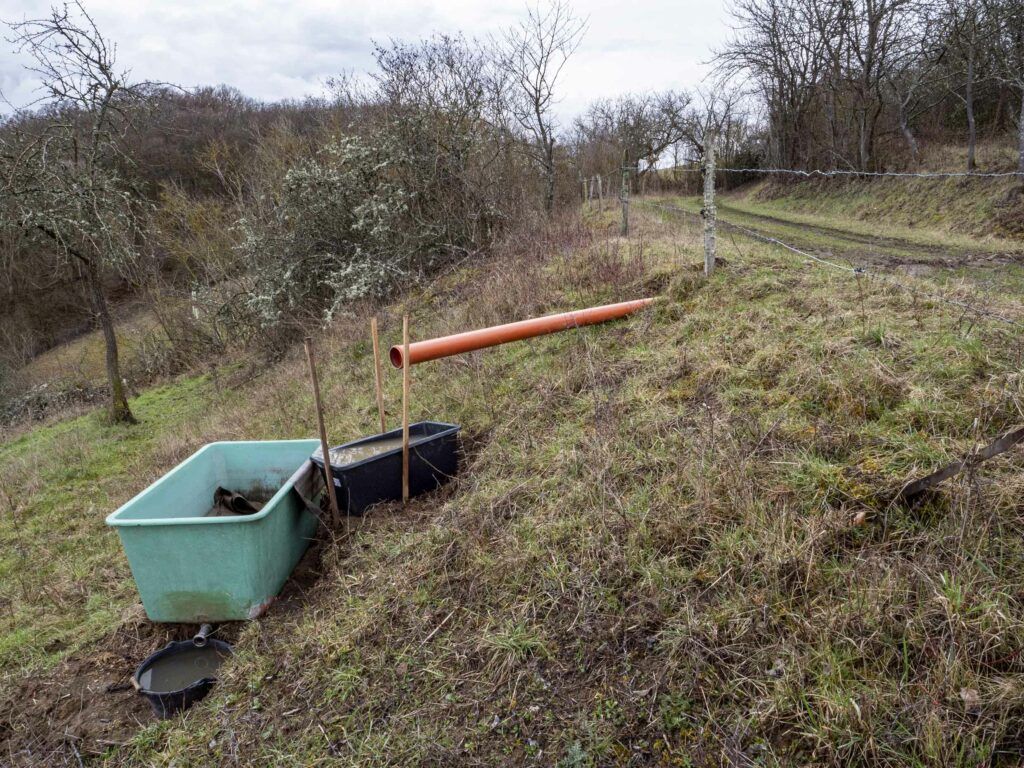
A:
[64,580]
[986,273]
[652,554]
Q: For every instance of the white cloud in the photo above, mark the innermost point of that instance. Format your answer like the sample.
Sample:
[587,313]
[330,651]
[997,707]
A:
[274,49]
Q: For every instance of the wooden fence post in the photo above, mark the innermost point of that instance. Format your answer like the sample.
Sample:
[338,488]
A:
[624,193]
[708,212]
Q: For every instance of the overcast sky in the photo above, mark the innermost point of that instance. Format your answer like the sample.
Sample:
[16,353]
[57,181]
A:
[274,49]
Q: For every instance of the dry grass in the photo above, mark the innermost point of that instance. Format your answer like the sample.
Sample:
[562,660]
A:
[992,155]
[975,215]
[81,360]
[671,543]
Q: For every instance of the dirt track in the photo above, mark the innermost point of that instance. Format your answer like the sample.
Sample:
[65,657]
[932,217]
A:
[859,248]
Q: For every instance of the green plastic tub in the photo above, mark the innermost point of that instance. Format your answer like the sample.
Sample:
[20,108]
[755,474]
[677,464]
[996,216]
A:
[192,568]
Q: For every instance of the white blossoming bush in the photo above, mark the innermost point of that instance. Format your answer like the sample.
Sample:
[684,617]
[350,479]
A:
[340,232]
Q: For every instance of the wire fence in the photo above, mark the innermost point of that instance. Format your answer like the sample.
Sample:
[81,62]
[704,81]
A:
[857,271]
[845,173]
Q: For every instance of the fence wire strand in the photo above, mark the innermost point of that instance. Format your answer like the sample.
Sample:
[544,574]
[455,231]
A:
[889,174]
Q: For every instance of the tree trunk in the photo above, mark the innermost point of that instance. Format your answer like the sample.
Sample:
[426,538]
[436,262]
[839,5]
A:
[998,119]
[1020,133]
[972,133]
[908,135]
[864,148]
[119,410]
[833,129]
[549,178]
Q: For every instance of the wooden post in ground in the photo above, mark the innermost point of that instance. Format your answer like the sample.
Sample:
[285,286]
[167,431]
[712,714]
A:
[376,374]
[324,445]
[624,193]
[405,408]
[600,194]
[708,212]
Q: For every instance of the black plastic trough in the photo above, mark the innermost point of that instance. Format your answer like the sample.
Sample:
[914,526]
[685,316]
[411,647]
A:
[433,460]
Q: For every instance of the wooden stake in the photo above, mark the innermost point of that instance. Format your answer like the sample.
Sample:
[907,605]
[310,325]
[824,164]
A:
[405,408]
[376,374]
[324,445]
[996,447]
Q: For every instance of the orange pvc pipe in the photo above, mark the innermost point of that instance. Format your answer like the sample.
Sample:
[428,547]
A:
[458,343]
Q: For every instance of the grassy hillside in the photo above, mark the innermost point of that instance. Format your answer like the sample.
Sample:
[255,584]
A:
[672,541]
[73,377]
[983,272]
[983,213]
[986,209]
[82,358]
[63,577]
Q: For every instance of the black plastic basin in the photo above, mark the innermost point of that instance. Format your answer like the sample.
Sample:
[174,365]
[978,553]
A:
[191,668]
[368,480]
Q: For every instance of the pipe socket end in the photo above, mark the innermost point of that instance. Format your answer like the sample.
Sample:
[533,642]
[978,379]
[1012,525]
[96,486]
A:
[395,354]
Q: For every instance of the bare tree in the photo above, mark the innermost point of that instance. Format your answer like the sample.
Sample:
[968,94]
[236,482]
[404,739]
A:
[1008,21]
[783,48]
[644,127]
[841,75]
[965,23]
[533,55]
[827,21]
[914,72]
[877,33]
[59,167]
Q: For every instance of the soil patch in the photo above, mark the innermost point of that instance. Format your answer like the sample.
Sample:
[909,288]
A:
[86,706]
